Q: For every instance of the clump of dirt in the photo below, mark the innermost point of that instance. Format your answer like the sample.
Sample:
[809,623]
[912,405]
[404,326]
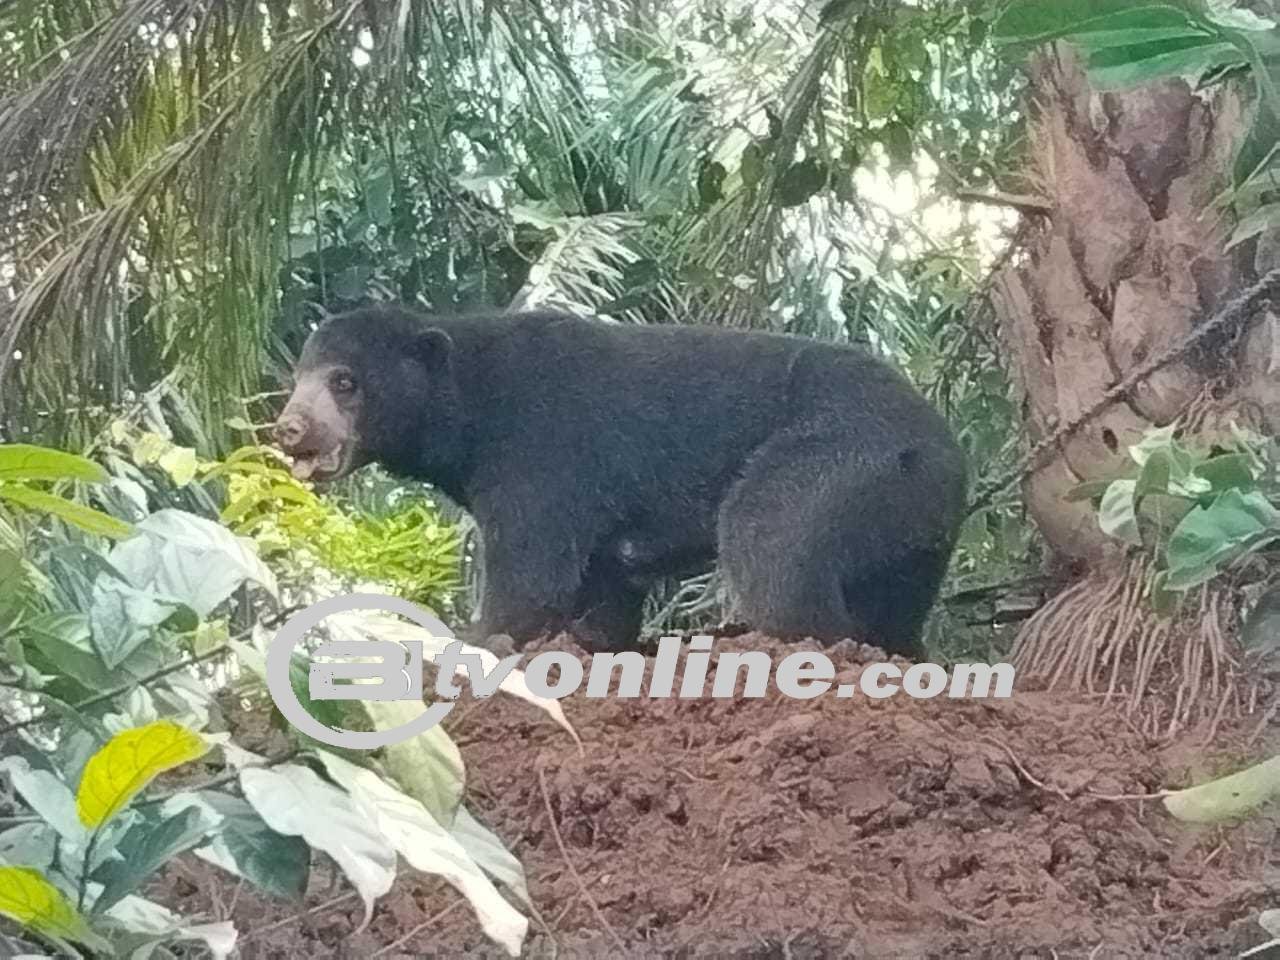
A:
[768,828]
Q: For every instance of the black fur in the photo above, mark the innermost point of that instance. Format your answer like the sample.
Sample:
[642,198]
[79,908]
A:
[597,458]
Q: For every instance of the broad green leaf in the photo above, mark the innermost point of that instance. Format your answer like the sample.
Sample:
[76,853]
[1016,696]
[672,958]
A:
[1116,68]
[431,848]
[241,843]
[335,714]
[34,902]
[162,926]
[294,801]
[76,514]
[127,763]
[1155,475]
[60,643]
[1228,471]
[147,847]
[1225,13]
[48,796]
[1261,220]
[22,461]
[1037,21]
[800,181]
[1229,797]
[1256,156]
[188,558]
[123,617]
[1209,537]
[483,846]
[880,95]
[179,463]
[1117,514]
[28,845]
[1161,438]
[428,767]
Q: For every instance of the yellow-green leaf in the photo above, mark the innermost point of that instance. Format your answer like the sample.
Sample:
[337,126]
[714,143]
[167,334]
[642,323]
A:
[1227,798]
[77,514]
[34,902]
[180,464]
[128,762]
[23,461]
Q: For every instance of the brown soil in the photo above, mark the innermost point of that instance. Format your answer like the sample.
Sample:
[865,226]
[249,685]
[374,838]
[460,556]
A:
[830,828]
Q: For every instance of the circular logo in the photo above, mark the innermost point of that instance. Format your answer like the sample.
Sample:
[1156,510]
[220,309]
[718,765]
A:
[280,653]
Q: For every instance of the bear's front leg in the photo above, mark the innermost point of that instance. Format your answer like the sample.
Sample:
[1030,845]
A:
[531,573]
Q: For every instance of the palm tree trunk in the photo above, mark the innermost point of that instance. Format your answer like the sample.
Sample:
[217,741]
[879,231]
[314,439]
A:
[1129,258]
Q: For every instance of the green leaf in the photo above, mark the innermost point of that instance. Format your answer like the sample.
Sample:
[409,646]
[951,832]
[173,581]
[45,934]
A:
[180,556]
[60,643]
[76,514]
[484,847]
[800,181]
[48,796]
[1155,474]
[1208,538]
[1229,797]
[127,763]
[147,847]
[332,713]
[429,847]
[34,902]
[880,95]
[1228,471]
[1117,515]
[179,463]
[294,801]
[429,766]
[711,183]
[150,926]
[28,845]
[22,461]
[1258,152]
[1261,220]
[1116,68]
[241,843]
[1038,21]
[898,144]
[123,617]
[752,165]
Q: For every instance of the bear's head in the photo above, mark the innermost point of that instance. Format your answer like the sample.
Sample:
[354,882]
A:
[374,384]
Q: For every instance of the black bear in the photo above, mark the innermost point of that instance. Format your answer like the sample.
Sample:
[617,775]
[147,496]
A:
[598,457]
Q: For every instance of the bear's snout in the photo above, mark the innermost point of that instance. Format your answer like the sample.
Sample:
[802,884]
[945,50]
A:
[289,432]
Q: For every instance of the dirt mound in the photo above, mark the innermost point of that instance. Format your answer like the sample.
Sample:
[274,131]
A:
[859,828]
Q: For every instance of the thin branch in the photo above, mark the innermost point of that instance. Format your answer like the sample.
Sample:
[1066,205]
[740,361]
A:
[573,871]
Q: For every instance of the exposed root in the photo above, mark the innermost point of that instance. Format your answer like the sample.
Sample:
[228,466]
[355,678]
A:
[1101,636]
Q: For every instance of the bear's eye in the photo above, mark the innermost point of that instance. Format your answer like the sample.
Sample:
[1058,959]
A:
[343,383]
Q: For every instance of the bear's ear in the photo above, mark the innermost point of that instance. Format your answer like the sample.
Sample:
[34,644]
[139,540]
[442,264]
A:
[432,348]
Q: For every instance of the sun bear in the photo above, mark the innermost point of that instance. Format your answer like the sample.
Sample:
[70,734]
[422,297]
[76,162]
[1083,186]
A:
[597,458]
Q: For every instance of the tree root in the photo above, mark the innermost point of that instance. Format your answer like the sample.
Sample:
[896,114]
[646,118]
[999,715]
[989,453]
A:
[1169,672]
